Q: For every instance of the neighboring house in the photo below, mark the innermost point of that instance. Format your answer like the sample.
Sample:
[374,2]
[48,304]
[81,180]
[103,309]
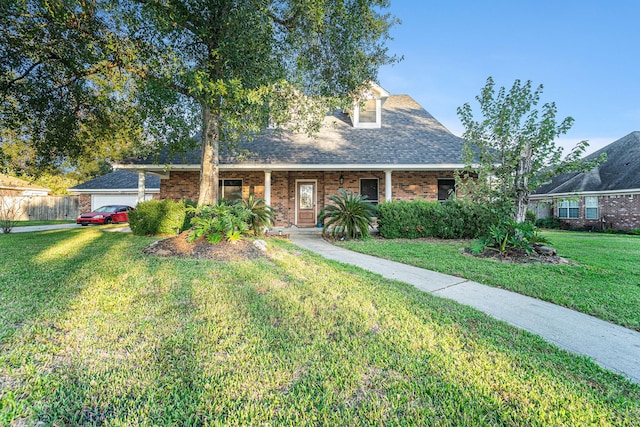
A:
[606,197]
[11,186]
[116,188]
[388,148]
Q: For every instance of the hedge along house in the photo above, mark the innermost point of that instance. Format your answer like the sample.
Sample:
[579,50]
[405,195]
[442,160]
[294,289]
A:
[388,148]
[606,197]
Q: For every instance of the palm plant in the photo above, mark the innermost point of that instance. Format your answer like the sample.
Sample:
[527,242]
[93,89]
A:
[350,215]
[261,215]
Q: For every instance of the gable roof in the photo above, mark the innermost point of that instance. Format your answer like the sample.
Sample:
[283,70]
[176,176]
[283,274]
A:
[117,181]
[409,138]
[12,183]
[621,171]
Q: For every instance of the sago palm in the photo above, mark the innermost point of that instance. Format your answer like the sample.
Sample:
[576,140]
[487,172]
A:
[350,215]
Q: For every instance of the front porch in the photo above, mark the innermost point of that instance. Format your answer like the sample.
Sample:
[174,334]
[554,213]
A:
[297,197]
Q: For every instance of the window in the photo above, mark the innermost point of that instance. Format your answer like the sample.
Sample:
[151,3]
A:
[230,189]
[446,187]
[591,207]
[568,209]
[368,111]
[369,188]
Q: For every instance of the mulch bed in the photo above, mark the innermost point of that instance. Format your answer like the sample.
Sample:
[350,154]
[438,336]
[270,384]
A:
[241,250]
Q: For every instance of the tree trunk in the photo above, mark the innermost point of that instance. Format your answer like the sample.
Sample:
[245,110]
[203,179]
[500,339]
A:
[521,182]
[209,167]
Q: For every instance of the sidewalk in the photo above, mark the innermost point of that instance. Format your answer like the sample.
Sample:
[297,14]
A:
[612,347]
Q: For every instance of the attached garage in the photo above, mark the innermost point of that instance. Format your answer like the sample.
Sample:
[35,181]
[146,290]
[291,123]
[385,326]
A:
[115,188]
[98,200]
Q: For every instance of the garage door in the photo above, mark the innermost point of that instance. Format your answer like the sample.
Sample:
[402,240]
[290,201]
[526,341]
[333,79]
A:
[98,200]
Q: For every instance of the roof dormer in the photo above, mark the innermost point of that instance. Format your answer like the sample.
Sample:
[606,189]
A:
[367,110]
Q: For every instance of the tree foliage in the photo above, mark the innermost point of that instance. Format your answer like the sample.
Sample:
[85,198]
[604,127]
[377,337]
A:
[64,96]
[98,78]
[244,64]
[512,148]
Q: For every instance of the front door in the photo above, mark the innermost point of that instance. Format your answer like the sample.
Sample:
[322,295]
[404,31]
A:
[306,204]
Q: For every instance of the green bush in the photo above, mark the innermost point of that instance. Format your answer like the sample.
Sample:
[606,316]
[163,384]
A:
[220,221]
[507,236]
[549,222]
[160,217]
[452,219]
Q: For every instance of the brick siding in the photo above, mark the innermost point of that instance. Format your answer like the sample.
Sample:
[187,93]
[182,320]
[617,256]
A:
[620,212]
[405,186]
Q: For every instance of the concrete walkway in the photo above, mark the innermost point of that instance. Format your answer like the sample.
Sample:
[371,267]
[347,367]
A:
[612,347]
[30,228]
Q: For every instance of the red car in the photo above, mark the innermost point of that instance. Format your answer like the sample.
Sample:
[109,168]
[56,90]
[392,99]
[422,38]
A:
[105,215]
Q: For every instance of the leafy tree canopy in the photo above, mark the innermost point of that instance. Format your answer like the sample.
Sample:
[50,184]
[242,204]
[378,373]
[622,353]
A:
[511,148]
[106,78]
[64,97]
[244,64]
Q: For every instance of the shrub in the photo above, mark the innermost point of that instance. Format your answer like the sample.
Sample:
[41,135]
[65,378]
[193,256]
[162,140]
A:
[220,221]
[350,215]
[453,219]
[549,222]
[9,213]
[160,217]
[508,235]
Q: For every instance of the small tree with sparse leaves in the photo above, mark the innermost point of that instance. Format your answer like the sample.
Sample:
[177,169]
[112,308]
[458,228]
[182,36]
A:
[512,147]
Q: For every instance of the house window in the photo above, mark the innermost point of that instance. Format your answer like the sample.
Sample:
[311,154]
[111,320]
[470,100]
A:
[368,111]
[591,207]
[230,189]
[568,209]
[446,188]
[369,188]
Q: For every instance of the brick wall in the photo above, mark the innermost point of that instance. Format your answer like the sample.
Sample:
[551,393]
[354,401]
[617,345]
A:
[84,202]
[620,212]
[405,186]
[180,185]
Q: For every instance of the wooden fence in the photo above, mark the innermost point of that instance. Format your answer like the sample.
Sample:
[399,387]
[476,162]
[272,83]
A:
[21,208]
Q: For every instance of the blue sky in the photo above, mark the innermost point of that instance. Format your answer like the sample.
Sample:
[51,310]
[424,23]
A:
[585,53]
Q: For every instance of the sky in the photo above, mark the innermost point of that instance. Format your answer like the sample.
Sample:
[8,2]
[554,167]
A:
[586,54]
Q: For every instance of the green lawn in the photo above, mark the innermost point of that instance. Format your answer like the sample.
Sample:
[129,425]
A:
[603,280]
[93,332]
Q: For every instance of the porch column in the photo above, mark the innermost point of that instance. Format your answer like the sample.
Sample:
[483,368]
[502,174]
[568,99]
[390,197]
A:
[267,188]
[387,186]
[141,186]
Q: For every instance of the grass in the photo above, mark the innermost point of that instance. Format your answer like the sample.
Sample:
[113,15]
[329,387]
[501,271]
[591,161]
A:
[602,281]
[93,332]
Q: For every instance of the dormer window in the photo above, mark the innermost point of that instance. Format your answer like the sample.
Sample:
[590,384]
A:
[368,112]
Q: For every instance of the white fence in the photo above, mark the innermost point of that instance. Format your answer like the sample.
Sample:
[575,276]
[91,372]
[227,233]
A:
[20,208]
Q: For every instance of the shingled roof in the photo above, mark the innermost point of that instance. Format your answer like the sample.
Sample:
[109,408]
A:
[621,171]
[408,138]
[19,185]
[118,180]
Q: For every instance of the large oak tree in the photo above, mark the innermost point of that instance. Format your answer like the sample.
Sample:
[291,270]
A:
[245,64]
[83,78]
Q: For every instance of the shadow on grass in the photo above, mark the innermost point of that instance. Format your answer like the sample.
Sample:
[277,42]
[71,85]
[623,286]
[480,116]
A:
[287,340]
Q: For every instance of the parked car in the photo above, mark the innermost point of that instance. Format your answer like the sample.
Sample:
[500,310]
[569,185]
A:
[105,215]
